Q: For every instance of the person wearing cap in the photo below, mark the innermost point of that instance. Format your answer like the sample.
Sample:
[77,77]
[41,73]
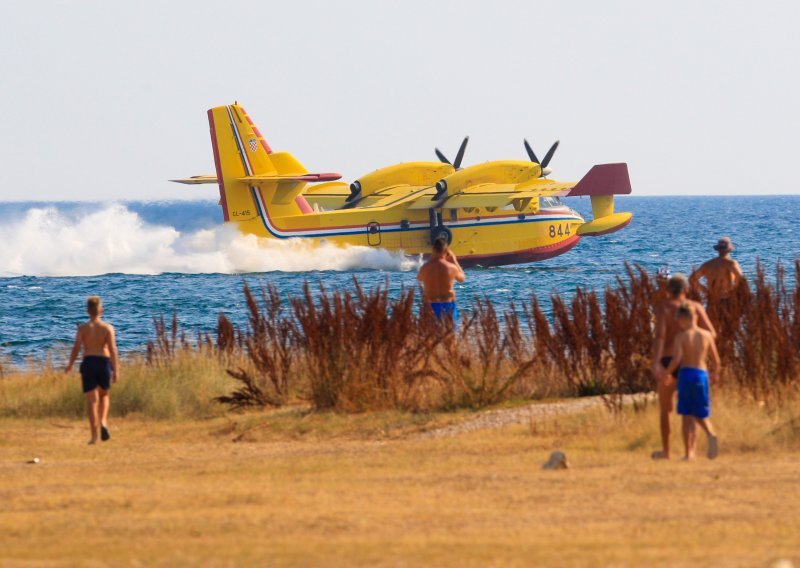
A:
[667,328]
[722,274]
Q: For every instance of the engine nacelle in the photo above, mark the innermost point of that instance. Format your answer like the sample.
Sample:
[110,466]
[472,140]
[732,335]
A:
[410,173]
[505,171]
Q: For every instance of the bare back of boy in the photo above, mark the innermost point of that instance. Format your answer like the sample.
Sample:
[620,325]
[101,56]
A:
[694,346]
[96,338]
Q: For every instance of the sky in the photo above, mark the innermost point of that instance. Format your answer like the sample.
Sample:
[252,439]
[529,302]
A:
[107,100]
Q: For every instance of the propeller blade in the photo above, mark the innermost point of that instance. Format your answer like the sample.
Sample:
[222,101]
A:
[531,153]
[460,155]
[442,157]
[549,155]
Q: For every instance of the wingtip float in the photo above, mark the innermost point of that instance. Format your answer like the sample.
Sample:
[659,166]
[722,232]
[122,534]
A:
[501,212]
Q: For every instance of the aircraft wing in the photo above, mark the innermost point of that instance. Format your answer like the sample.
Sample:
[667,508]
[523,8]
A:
[466,201]
[488,195]
[545,187]
[329,188]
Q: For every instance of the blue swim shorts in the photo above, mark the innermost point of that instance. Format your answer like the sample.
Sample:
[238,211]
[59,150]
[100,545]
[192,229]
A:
[442,309]
[693,397]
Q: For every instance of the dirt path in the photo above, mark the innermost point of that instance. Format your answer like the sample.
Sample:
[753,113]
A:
[503,417]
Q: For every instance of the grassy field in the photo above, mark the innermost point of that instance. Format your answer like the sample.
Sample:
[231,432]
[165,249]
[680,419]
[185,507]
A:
[289,488]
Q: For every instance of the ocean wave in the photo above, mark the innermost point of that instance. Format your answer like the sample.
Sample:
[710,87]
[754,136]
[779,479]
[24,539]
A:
[44,241]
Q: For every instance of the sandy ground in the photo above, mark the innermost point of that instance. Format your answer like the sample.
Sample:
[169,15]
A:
[171,494]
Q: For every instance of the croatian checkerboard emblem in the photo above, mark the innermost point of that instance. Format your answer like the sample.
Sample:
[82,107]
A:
[253,144]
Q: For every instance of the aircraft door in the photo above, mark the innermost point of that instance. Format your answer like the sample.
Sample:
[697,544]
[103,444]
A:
[373,233]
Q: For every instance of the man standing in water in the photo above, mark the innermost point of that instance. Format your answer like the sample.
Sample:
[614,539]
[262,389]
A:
[437,276]
[722,274]
[99,367]
[667,328]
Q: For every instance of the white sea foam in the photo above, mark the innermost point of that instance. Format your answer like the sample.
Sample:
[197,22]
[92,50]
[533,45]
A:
[112,239]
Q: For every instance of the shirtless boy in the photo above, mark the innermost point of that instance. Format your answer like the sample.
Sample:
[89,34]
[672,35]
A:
[722,274]
[693,346]
[437,276]
[666,329]
[99,367]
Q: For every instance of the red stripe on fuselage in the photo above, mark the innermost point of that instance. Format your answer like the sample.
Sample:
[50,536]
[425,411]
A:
[222,200]
[521,256]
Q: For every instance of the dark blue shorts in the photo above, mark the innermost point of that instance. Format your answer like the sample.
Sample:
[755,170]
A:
[96,372]
[665,361]
[693,397]
[442,309]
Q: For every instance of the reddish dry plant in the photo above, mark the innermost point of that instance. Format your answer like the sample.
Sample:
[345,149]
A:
[759,333]
[355,350]
[597,351]
[228,339]
[363,350]
[481,363]
[269,345]
[167,342]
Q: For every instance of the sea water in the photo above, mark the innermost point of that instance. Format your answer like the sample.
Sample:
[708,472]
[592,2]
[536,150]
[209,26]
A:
[152,258]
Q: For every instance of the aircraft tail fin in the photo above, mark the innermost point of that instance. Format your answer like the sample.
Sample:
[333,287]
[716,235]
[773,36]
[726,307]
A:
[246,164]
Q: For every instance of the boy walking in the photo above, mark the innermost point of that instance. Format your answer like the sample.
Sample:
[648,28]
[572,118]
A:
[100,366]
[693,346]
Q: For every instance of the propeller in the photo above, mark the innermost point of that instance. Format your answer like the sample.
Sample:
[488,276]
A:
[547,157]
[459,155]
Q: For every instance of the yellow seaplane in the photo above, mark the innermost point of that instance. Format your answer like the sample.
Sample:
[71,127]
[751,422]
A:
[496,213]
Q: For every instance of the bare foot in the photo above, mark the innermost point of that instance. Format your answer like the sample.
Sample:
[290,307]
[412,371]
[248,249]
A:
[713,447]
[687,458]
[660,455]
[93,441]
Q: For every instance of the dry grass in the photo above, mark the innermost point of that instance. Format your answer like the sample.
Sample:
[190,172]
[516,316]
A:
[182,386]
[313,489]
[353,350]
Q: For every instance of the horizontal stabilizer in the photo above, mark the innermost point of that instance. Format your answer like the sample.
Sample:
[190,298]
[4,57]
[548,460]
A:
[604,179]
[259,179]
[197,180]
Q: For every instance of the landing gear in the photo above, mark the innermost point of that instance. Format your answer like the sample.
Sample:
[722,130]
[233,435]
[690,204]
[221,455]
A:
[438,230]
[442,232]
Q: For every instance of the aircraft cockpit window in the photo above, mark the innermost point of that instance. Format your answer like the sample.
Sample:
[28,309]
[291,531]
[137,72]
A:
[549,202]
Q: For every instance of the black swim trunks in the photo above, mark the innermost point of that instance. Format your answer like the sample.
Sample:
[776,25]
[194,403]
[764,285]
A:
[665,361]
[96,372]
